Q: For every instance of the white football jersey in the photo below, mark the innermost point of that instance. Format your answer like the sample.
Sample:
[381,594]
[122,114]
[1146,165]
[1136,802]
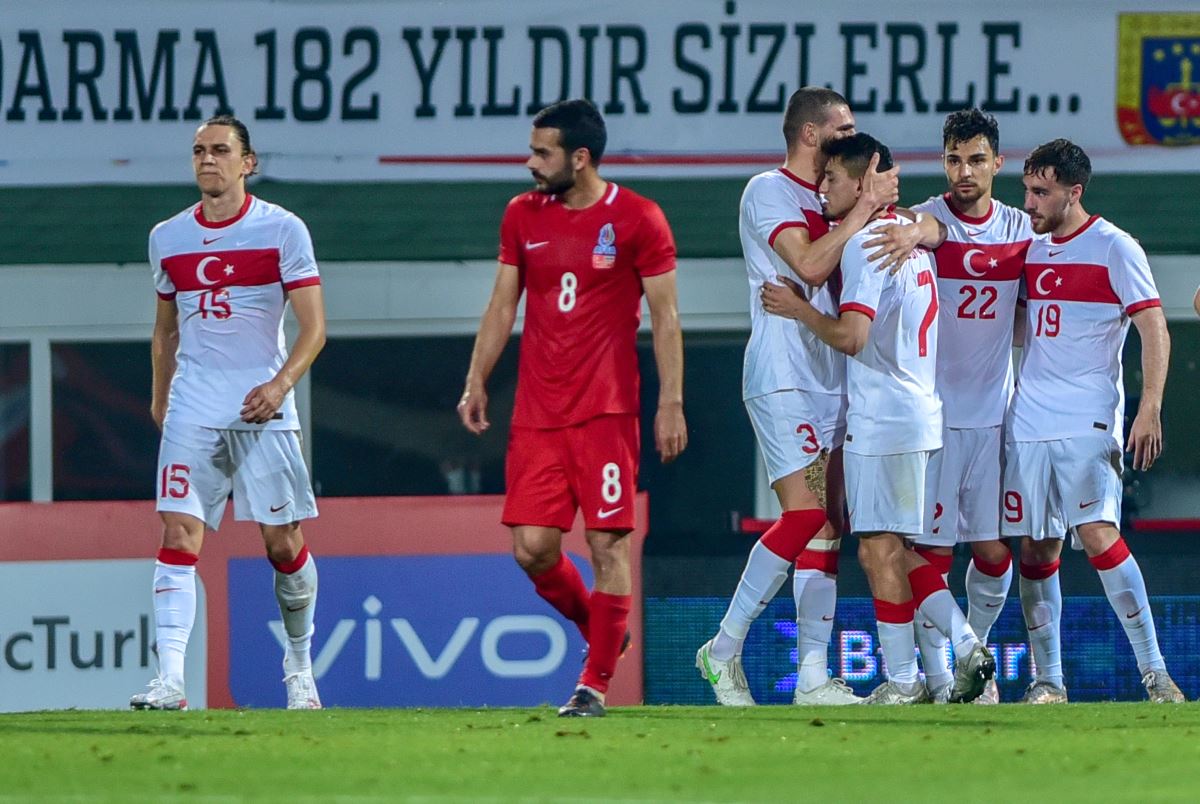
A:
[979,274]
[782,353]
[894,405]
[230,281]
[1082,290]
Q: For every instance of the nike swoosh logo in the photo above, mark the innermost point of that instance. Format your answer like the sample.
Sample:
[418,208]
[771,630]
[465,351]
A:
[1136,613]
[297,608]
[1036,627]
[602,514]
[993,605]
[1056,253]
[275,509]
[928,626]
[168,589]
[974,234]
[531,246]
[1088,504]
[712,677]
[208,242]
[826,618]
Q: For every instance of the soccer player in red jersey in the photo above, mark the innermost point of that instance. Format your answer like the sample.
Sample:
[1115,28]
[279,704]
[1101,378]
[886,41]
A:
[583,250]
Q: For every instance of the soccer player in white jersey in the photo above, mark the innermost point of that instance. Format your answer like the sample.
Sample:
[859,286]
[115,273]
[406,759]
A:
[1086,280]
[979,267]
[794,390]
[888,325]
[225,268]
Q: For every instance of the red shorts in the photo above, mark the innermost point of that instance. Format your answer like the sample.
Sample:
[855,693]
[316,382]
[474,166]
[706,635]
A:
[593,465]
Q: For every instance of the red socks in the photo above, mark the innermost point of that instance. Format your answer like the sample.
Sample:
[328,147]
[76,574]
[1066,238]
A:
[609,619]
[788,537]
[562,587]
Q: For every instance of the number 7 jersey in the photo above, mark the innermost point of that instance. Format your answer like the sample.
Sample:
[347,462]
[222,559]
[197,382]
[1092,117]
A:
[581,271]
[229,281]
[1082,290]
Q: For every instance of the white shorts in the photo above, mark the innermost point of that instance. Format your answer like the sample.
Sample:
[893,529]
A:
[794,427]
[968,499]
[265,470]
[1050,486]
[892,493]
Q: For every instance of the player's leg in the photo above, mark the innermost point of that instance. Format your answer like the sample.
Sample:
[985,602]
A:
[789,437]
[192,489]
[1030,510]
[814,589]
[1096,492]
[989,574]
[539,507]
[271,487]
[936,547]
[602,475]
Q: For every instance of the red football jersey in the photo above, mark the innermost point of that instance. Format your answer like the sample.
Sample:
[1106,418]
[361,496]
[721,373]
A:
[581,271]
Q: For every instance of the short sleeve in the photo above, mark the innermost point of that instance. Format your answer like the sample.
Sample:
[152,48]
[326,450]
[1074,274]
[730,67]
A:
[297,263]
[162,280]
[770,212]
[929,206]
[1130,277]
[862,284]
[510,235]
[655,243]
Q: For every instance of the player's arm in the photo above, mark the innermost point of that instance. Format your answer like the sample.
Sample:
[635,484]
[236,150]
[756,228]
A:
[670,428]
[494,329]
[163,345]
[813,261]
[847,333]
[894,242]
[1145,436]
[263,401]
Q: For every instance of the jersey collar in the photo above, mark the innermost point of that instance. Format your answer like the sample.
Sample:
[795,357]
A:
[207,224]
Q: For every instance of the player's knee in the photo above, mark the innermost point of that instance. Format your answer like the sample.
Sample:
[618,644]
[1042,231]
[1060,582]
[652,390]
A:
[182,533]
[1036,553]
[535,559]
[283,542]
[1096,537]
[990,552]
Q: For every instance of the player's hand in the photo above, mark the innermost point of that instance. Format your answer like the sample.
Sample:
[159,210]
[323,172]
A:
[472,410]
[1145,439]
[783,300]
[893,244]
[159,414]
[263,402]
[670,431]
[880,189]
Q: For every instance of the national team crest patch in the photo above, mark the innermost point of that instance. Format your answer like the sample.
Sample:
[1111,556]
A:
[605,252]
[1158,97]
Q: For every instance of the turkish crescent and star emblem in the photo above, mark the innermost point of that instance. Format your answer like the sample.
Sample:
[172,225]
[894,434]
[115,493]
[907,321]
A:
[1158,97]
[202,274]
[976,263]
[1042,291]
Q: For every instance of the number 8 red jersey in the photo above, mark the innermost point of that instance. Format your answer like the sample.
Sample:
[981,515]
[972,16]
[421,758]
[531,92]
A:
[581,271]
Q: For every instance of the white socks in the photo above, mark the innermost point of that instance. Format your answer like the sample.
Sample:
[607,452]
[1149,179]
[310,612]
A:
[174,616]
[297,596]
[1041,602]
[1126,591]
[815,593]
[765,572]
[899,651]
[986,593]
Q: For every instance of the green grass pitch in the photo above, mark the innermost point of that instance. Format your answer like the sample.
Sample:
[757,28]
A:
[1078,752]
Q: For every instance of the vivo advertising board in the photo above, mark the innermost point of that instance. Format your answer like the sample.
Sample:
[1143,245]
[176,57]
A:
[443,630]
[80,634]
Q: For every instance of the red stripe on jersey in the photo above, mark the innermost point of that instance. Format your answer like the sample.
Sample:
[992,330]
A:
[207,224]
[1137,307]
[1079,282]
[855,307]
[981,262]
[783,227]
[1060,240]
[307,281]
[218,269]
[165,296]
[805,184]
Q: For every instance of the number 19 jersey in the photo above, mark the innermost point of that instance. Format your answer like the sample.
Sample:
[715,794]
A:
[1082,290]
[229,281]
[581,271]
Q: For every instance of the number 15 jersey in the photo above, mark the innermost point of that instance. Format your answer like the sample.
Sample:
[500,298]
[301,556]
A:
[581,271]
[229,281]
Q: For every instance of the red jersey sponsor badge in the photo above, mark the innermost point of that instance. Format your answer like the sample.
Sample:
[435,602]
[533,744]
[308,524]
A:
[605,252]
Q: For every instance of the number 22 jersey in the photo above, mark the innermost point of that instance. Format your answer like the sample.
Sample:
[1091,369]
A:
[581,271]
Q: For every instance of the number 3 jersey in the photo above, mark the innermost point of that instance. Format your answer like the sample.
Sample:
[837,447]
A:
[979,275]
[1082,290]
[581,271]
[893,404]
[229,281]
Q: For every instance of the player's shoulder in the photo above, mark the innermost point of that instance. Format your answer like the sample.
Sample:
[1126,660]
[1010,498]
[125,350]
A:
[264,210]
[527,203]
[621,197]
[933,205]
[1117,239]
[184,219]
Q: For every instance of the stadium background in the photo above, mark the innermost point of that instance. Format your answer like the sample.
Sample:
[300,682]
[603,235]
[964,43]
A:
[406,236]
